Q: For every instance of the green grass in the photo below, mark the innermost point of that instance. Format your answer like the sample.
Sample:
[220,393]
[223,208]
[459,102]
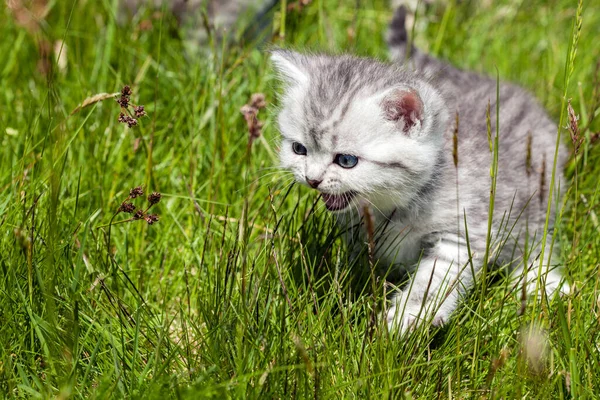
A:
[240,290]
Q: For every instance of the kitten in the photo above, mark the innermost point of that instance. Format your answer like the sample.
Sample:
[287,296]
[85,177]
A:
[367,133]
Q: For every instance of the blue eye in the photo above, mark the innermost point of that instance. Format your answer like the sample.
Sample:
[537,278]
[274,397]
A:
[299,149]
[346,160]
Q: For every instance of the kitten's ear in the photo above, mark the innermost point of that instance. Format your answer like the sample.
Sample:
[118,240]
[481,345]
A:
[290,65]
[403,106]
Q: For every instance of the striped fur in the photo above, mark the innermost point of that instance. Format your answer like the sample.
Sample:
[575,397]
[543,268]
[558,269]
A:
[336,105]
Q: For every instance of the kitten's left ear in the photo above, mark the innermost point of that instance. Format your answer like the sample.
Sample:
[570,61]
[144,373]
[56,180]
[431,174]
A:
[403,106]
[290,64]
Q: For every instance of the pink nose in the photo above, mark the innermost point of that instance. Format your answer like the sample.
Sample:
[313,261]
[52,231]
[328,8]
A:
[313,183]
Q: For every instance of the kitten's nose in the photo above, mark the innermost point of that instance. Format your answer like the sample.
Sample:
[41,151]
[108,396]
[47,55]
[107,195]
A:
[313,183]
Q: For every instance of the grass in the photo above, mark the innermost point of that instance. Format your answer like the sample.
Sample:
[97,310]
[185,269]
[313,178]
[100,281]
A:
[242,289]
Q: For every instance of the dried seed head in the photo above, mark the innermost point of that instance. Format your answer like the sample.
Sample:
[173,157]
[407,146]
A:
[254,125]
[139,214]
[123,101]
[139,111]
[498,363]
[145,25]
[543,179]
[534,346]
[370,227]
[528,166]
[573,127]
[127,207]
[298,5]
[131,122]
[136,192]
[154,198]
[488,122]
[573,119]
[248,111]
[126,91]
[257,100]
[455,143]
[151,218]
[127,119]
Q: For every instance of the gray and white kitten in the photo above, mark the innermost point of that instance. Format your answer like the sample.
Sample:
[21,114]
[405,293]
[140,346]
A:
[367,133]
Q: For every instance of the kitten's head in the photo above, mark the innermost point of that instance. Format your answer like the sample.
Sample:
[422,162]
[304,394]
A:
[357,130]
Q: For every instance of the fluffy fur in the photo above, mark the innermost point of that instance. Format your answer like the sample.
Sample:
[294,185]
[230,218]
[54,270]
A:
[398,121]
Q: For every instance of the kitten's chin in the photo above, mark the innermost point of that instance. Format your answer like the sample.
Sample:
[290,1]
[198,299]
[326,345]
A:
[337,202]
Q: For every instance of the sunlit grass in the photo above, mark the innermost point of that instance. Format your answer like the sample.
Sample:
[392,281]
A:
[240,290]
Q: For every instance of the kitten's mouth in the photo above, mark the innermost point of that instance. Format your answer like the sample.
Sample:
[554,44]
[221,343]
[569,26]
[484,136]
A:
[337,202]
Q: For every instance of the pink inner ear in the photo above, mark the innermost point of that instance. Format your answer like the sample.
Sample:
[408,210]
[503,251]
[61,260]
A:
[404,106]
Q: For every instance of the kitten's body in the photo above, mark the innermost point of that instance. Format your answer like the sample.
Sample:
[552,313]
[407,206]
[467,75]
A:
[399,124]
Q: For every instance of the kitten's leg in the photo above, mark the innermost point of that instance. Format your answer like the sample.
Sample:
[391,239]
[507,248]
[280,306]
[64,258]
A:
[435,288]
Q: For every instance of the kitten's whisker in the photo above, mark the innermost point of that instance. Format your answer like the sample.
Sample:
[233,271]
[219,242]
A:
[273,167]
[287,184]
[269,174]
[245,187]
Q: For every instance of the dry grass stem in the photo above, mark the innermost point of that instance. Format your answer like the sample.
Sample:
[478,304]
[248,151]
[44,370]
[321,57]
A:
[370,227]
[528,165]
[488,123]
[455,142]
[543,178]
[93,100]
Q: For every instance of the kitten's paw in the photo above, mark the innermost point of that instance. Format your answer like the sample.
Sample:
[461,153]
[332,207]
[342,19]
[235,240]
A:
[440,319]
[564,288]
[404,318]
[399,321]
[553,284]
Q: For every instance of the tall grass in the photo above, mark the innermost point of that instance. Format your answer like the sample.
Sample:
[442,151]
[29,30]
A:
[244,287]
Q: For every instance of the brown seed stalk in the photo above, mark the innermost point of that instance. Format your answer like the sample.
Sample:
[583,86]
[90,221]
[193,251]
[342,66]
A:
[127,116]
[139,111]
[154,198]
[151,218]
[250,113]
[139,214]
[573,127]
[528,166]
[127,207]
[455,142]
[543,178]
[136,192]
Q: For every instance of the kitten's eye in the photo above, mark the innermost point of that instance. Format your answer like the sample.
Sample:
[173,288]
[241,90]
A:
[299,149]
[346,160]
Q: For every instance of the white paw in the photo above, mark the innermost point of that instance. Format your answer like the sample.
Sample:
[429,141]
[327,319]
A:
[553,283]
[404,317]
[399,320]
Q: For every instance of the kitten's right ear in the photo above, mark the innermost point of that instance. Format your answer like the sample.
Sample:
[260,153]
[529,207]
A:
[405,107]
[290,65]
